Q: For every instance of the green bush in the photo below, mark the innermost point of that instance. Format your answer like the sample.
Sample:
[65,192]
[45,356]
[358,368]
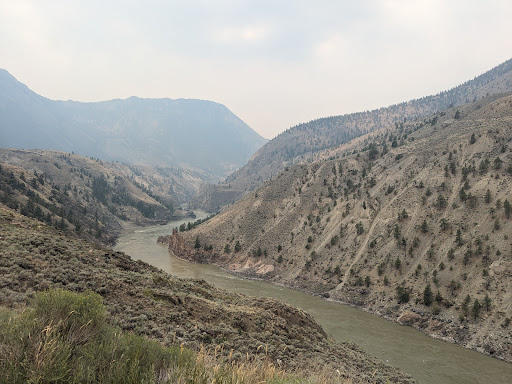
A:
[64,338]
[70,309]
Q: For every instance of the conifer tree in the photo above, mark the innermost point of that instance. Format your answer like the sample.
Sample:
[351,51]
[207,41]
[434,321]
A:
[427,295]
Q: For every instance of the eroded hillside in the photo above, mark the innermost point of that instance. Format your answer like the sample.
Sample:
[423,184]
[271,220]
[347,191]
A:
[142,299]
[413,223]
[303,142]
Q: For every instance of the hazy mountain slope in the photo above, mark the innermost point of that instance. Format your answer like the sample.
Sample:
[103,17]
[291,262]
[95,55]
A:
[194,134]
[427,204]
[90,197]
[147,301]
[298,144]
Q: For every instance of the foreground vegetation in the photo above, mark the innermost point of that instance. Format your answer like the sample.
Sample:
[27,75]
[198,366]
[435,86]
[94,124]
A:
[63,338]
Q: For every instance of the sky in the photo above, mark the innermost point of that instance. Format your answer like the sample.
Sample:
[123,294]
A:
[274,64]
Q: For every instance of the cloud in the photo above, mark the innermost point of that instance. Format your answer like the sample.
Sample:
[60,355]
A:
[241,35]
[334,45]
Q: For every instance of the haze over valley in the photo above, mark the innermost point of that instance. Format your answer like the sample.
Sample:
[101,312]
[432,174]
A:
[255,193]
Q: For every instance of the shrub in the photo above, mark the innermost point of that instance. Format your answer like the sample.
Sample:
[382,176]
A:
[402,294]
[70,342]
[71,310]
[44,344]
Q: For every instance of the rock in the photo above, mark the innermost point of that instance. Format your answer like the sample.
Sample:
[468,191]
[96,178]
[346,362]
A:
[408,317]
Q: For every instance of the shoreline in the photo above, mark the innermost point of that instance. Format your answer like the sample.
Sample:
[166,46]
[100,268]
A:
[249,276]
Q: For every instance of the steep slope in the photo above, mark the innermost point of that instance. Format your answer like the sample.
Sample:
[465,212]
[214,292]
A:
[92,198]
[194,134]
[300,143]
[427,204]
[142,299]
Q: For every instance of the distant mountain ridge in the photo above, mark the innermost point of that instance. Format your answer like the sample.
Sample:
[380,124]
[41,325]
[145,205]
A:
[300,143]
[194,134]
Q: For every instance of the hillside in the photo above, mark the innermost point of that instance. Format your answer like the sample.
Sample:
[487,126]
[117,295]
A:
[412,223]
[92,198]
[196,135]
[300,143]
[183,313]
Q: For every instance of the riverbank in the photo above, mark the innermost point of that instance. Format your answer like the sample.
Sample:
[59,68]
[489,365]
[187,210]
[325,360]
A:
[496,344]
[428,360]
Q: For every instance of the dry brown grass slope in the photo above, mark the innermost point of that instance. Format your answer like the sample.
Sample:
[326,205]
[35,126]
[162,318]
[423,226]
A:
[426,204]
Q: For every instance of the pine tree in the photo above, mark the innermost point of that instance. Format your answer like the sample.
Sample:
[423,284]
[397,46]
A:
[458,237]
[427,295]
[508,208]
[465,305]
[488,196]
[487,301]
[475,310]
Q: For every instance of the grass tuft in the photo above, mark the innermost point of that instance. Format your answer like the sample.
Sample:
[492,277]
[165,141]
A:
[63,338]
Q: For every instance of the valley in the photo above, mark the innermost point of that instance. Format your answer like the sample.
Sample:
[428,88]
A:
[332,242]
[315,140]
[411,223]
[427,360]
[89,197]
[182,313]
[232,192]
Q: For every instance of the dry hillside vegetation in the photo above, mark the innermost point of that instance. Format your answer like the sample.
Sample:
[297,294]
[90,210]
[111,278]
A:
[300,143]
[416,226]
[92,198]
[141,299]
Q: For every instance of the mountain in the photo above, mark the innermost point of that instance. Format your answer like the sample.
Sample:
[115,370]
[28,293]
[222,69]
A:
[412,223]
[304,142]
[226,330]
[89,197]
[196,135]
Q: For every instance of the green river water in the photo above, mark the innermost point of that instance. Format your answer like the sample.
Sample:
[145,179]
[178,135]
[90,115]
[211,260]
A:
[426,359]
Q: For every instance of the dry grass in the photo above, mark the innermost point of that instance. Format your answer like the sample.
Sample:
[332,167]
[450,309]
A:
[63,338]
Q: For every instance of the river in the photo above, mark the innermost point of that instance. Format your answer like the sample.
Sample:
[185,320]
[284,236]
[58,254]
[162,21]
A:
[429,361]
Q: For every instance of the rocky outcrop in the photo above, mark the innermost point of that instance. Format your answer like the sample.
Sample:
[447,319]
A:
[177,245]
[409,318]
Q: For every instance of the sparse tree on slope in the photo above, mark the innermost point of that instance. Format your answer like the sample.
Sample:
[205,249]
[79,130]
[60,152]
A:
[427,295]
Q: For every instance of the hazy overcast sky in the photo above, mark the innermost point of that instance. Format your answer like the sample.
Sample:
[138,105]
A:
[273,63]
